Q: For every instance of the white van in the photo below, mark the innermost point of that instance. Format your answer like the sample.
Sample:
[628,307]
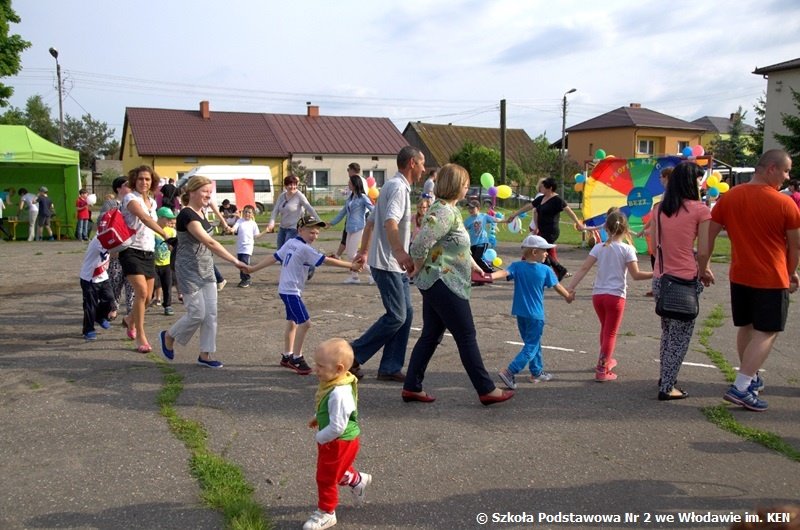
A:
[223,176]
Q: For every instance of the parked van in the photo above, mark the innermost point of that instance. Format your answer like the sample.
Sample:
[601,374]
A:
[224,177]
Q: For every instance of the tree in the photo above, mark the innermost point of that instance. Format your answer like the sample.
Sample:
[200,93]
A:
[91,138]
[479,159]
[11,47]
[736,149]
[757,138]
[36,117]
[791,142]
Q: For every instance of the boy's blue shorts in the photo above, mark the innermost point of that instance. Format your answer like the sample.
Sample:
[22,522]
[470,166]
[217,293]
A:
[295,308]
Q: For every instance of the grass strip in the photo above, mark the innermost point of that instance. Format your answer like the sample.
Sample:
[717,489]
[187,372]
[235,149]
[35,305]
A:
[722,418]
[720,415]
[223,485]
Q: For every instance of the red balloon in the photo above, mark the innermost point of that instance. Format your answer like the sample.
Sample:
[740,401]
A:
[371,182]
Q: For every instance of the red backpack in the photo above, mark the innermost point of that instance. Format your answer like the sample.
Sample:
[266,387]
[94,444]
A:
[113,232]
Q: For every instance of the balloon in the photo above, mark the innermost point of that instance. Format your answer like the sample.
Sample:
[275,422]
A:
[717,174]
[713,192]
[523,215]
[492,191]
[579,187]
[497,262]
[91,199]
[713,181]
[487,180]
[373,193]
[503,191]
[580,178]
[723,187]
[697,150]
[370,182]
[489,255]
[687,151]
[599,154]
[490,211]
[499,215]
[492,241]
[515,226]
[610,156]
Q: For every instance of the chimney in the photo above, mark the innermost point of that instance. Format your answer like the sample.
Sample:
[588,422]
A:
[734,115]
[204,112]
[636,105]
[312,111]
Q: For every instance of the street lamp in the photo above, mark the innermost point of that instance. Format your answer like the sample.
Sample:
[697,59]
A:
[564,131]
[54,53]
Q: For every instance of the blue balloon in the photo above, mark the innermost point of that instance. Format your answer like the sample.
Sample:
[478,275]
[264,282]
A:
[493,243]
[523,215]
[687,151]
[580,178]
[713,192]
[489,255]
[498,215]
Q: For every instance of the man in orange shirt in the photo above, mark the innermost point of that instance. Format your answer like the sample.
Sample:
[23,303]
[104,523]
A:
[764,228]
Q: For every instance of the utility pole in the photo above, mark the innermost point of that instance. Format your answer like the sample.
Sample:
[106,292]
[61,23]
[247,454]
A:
[54,53]
[564,133]
[502,141]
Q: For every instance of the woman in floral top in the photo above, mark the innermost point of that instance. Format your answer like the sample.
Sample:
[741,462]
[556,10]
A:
[442,258]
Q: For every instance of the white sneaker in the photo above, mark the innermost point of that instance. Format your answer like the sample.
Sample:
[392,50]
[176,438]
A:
[371,280]
[221,285]
[320,520]
[352,279]
[542,377]
[359,490]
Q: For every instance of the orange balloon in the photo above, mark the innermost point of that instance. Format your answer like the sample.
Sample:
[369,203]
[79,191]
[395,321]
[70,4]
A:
[579,186]
[373,193]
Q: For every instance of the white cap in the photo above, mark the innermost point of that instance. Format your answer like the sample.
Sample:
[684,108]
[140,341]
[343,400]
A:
[536,242]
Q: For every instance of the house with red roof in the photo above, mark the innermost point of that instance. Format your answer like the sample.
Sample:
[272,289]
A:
[174,141]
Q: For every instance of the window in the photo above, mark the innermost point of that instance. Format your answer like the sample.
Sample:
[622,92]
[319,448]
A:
[682,145]
[245,161]
[224,186]
[318,178]
[190,160]
[378,174]
[262,186]
[647,147]
[318,158]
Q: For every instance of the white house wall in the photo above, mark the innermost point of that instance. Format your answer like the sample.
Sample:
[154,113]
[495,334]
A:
[779,101]
[337,165]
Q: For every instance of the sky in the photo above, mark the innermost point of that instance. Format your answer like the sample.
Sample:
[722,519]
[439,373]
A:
[444,61]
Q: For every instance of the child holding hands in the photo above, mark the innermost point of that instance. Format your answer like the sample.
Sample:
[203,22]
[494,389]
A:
[296,256]
[614,259]
[530,276]
[336,416]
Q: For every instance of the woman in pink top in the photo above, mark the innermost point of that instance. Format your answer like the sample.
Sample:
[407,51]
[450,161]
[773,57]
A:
[683,218]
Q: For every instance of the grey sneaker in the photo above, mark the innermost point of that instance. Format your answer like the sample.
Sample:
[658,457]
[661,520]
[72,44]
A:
[359,490]
[746,399]
[508,378]
[320,520]
[221,285]
[541,378]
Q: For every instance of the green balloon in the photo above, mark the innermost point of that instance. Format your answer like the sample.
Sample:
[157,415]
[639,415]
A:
[487,180]
[600,154]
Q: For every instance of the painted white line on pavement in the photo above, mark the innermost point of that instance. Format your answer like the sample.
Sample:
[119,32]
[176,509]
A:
[544,347]
[699,365]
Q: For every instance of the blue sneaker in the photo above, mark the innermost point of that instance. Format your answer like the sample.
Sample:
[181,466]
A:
[745,399]
[105,324]
[756,385]
[209,363]
[92,335]
[166,352]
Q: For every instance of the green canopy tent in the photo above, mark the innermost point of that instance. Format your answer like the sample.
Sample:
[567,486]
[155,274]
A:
[29,161]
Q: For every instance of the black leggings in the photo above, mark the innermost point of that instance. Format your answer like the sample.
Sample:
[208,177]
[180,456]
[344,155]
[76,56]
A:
[164,277]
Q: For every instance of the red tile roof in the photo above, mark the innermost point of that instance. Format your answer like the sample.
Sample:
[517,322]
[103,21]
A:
[166,132]
[634,117]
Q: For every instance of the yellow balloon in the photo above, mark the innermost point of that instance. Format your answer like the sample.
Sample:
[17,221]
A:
[712,181]
[723,187]
[373,193]
[503,191]
[497,262]
[717,174]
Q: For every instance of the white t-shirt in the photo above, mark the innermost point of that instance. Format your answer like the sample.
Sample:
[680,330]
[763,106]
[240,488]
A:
[2,207]
[246,232]
[144,239]
[30,199]
[612,267]
[295,257]
[95,263]
[394,203]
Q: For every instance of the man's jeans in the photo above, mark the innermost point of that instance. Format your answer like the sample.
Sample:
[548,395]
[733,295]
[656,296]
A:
[391,331]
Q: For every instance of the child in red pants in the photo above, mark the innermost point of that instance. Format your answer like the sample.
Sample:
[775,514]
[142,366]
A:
[615,259]
[336,417]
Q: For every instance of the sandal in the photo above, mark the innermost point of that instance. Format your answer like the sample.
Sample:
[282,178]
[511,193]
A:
[144,348]
[129,330]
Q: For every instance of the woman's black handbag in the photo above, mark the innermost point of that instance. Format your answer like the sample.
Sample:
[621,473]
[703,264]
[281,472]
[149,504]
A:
[677,298]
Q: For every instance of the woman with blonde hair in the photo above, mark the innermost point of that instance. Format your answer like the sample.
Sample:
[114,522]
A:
[444,266]
[138,260]
[194,267]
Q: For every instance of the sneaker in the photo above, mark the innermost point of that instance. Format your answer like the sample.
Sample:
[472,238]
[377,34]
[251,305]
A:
[371,280]
[359,490]
[352,280]
[541,378]
[209,363]
[105,324]
[155,302]
[756,385]
[508,378]
[607,367]
[286,361]
[244,284]
[311,272]
[299,365]
[746,399]
[221,285]
[92,335]
[320,520]
[604,376]
[169,311]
